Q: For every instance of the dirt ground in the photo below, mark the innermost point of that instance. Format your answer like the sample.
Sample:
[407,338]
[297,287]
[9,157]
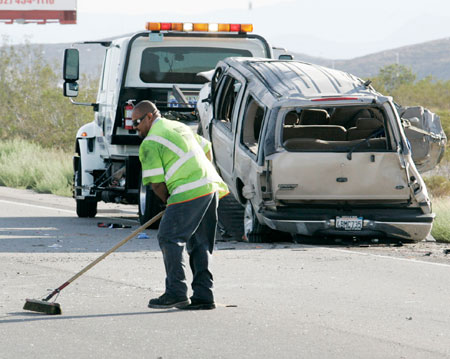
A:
[424,250]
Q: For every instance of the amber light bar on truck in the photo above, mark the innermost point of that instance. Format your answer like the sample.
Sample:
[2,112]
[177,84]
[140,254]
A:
[200,27]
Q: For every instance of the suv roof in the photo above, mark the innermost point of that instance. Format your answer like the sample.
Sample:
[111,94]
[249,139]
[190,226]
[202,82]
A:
[291,79]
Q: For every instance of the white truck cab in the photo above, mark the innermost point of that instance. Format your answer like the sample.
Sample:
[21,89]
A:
[160,64]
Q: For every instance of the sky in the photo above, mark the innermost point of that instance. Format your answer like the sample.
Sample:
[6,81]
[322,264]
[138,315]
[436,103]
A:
[334,29]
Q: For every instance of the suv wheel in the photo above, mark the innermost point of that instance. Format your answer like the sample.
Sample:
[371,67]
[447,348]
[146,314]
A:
[254,231]
[149,205]
[86,208]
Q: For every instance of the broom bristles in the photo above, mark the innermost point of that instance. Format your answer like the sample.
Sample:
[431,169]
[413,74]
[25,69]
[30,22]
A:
[42,306]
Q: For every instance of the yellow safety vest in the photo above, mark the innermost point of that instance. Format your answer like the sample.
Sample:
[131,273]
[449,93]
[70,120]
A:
[173,154]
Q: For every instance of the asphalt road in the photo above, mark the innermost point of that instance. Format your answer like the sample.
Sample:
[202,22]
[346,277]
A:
[279,300]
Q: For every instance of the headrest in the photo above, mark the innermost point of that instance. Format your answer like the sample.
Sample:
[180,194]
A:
[369,123]
[291,119]
[314,117]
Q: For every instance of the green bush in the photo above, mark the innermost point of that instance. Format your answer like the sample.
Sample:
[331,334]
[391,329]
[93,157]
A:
[438,186]
[27,165]
[32,105]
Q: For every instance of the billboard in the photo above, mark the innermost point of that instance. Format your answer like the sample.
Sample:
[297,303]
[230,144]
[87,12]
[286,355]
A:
[38,11]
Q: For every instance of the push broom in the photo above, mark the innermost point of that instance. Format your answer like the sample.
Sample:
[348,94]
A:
[44,306]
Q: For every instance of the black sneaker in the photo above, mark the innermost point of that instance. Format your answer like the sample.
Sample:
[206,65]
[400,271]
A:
[167,301]
[197,304]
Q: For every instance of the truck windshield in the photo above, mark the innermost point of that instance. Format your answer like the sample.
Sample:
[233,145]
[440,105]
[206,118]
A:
[181,64]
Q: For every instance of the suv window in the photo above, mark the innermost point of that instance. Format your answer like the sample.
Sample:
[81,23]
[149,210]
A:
[181,64]
[340,129]
[226,100]
[252,124]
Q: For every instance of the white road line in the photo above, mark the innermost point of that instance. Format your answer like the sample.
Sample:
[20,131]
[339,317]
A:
[386,257]
[59,209]
[36,206]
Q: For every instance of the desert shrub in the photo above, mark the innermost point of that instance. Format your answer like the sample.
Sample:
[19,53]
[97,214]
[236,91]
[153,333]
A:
[32,105]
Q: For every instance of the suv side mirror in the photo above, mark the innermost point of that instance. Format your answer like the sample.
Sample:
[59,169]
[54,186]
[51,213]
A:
[71,65]
[215,81]
[285,57]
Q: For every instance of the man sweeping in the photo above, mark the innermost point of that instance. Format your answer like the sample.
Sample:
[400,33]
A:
[178,165]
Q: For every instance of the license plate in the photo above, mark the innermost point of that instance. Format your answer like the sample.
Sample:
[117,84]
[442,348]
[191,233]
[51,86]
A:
[349,223]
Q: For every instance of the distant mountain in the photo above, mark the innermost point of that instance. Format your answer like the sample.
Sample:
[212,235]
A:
[91,57]
[425,59]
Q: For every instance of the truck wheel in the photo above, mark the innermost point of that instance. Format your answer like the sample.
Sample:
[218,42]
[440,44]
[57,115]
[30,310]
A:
[86,208]
[149,205]
[253,230]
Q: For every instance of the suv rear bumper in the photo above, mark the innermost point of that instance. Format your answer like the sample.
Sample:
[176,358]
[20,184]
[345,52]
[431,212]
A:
[407,224]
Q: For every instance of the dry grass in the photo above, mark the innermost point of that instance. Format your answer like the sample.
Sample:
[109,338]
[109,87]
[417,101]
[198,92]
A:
[27,165]
[441,225]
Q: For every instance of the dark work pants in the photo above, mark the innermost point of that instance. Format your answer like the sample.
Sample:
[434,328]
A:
[193,224]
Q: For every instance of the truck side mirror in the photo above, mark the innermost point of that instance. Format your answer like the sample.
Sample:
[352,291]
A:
[70,89]
[71,65]
[71,72]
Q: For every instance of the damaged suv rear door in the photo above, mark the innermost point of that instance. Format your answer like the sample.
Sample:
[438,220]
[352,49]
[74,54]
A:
[350,156]
[227,99]
[425,134]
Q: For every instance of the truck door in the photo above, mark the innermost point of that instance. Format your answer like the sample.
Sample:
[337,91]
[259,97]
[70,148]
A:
[223,127]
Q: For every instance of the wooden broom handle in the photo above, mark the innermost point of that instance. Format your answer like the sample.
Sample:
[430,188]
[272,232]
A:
[104,255]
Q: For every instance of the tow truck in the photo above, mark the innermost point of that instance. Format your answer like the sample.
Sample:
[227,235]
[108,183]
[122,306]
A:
[160,64]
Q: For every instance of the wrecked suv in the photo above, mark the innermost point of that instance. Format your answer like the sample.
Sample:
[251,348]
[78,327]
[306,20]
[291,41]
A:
[318,152]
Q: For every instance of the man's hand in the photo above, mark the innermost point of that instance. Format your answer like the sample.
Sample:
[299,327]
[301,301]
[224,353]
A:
[209,155]
[161,191]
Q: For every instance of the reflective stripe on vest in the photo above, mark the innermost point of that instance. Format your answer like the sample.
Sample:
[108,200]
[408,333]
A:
[153,172]
[183,156]
[204,141]
[167,143]
[196,184]
[181,161]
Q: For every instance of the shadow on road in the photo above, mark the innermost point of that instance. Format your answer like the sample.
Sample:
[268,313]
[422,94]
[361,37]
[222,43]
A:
[35,317]
[71,234]
[86,235]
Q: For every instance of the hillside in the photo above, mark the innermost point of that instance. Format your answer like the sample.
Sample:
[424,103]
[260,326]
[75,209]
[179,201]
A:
[425,59]
[91,56]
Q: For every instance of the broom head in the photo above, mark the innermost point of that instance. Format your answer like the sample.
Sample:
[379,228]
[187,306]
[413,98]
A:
[42,306]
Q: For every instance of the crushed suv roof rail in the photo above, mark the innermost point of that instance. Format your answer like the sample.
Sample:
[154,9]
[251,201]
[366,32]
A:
[295,79]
